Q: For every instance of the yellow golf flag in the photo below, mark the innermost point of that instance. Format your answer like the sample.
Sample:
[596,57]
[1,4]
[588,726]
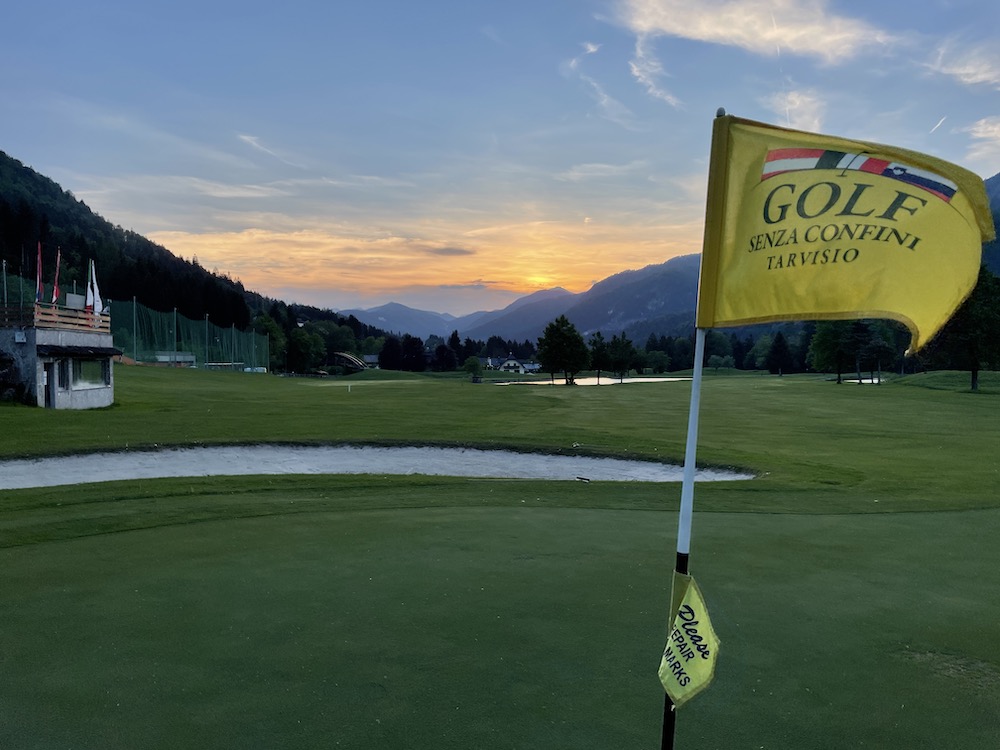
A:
[801,226]
[688,662]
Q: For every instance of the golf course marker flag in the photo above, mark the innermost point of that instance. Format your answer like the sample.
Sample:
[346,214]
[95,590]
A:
[803,226]
[688,662]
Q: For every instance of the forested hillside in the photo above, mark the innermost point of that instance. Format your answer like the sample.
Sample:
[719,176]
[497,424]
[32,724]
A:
[35,209]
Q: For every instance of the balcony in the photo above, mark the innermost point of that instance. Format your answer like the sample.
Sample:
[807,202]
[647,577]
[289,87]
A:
[54,317]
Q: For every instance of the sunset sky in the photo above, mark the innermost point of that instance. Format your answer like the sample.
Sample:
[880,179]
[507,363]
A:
[454,155]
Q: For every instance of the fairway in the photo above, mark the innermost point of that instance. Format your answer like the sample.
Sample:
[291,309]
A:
[379,611]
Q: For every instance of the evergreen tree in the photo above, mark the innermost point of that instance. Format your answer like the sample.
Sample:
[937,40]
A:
[831,348]
[971,339]
[391,355]
[716,342]
[779,355]
[562,349]
[413,353]
[455,344]
[621,353]
[682,357]
[599,359]
[756,358]
[444,359]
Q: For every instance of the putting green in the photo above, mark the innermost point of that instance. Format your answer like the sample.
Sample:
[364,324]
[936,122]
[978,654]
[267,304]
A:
[500,627]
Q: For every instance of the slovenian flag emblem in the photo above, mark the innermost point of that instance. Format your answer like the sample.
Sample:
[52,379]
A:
[781,160]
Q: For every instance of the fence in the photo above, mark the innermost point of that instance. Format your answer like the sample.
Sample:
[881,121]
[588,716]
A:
[145,335]
[167,338]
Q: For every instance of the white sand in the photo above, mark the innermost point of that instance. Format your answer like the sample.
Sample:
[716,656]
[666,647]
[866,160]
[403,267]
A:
[264,459]
[604,380]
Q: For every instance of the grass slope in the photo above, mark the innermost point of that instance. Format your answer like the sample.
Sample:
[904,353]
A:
[852,584]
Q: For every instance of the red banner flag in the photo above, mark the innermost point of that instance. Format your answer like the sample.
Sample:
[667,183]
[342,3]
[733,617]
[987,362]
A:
[55,284]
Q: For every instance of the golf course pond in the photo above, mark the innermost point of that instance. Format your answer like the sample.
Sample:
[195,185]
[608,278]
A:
[282,459]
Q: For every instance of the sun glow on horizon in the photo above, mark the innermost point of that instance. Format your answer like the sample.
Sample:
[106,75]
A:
[482,268]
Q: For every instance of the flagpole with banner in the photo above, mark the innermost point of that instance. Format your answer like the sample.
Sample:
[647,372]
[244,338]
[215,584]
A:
[55,283]
[93,303]
[803,226]
[38,274]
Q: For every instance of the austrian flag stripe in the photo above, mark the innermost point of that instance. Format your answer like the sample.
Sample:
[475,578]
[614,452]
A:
[783,160]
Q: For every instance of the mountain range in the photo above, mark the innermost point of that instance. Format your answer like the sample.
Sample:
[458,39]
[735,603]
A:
[662,294]
[656,299]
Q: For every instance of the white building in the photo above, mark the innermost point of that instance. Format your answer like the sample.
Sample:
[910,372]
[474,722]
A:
[57,357]
[513,364]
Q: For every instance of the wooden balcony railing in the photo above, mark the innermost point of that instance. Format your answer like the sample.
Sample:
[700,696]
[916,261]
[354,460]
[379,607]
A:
[42,315]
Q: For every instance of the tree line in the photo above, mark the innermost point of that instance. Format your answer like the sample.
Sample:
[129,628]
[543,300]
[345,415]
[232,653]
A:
[969,341]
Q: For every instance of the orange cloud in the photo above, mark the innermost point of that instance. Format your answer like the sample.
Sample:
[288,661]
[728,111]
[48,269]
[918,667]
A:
[336,263]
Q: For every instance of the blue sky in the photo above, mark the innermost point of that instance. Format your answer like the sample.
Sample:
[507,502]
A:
[455,155]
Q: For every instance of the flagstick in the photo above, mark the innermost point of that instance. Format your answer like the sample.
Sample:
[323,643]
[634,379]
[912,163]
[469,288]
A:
[687,509]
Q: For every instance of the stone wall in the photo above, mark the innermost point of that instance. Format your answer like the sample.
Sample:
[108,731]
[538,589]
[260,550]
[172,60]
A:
[17,365]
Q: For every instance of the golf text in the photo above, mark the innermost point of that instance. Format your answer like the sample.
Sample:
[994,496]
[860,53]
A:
[828,199]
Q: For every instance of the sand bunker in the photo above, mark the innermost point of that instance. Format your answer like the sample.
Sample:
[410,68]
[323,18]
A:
[264,459]
[603,380]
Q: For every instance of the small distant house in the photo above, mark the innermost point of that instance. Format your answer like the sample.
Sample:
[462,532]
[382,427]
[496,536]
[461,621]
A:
[56,357]
[513,364]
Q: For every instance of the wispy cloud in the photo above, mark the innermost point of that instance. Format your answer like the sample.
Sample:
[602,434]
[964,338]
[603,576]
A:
[589,48]
[647,70]
[581,172]
[805,28]
[449,251]
[610,108]
[471,285]
[973,66]
[939,124]
[167,188]
[149,137]
[984,153]
[802,110]
[254,142]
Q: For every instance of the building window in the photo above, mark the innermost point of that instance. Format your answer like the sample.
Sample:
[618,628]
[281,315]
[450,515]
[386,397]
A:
[91,373]
[63,368]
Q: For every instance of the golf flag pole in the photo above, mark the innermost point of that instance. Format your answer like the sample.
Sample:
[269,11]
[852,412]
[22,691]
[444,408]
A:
[681,566]
[678,686]
[806,226]
[690,452]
